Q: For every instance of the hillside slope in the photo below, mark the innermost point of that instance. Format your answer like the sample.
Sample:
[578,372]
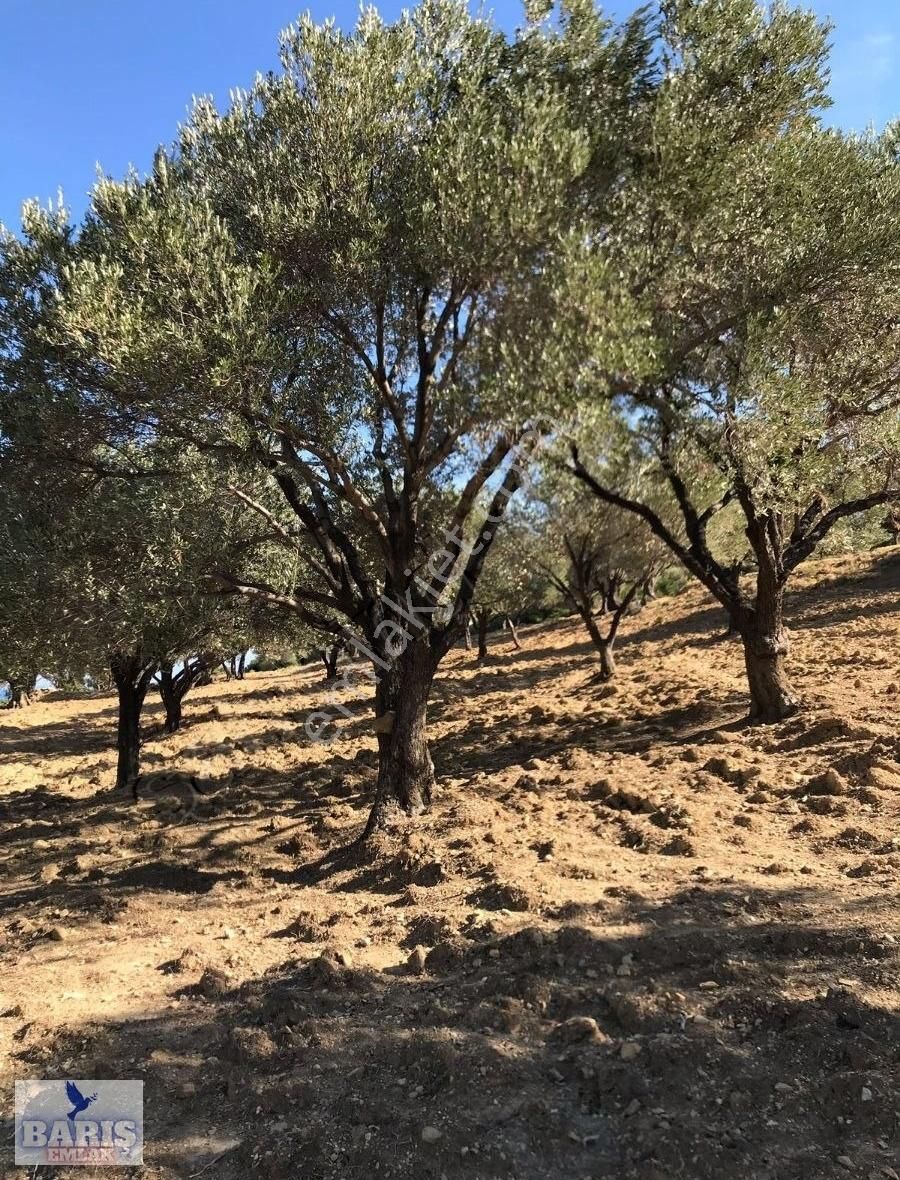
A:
[635,938]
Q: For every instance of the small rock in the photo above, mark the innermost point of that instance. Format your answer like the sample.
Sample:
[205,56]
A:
[431,1134]
[250,1046]
[416,961]
[577,1028]
[443,956]
[845,1161]
[633,1107]
[708,985]
[820,804]
[57,934]
[624,970]
[185,1089]
[630,1050]
[783,1088]
[829,782]
[214,983]
[324,972]
[865,1095]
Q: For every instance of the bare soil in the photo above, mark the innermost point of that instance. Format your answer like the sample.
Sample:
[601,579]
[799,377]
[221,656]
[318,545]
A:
[635,938]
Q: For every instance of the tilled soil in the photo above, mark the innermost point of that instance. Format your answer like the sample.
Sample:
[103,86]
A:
[634,938]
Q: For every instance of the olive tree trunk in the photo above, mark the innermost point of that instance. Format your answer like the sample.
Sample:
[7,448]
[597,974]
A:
[20,697]
[482,617]
[330,656]
[131,679]
[171,699]
[604,646]
[514,634]
[234,666]
[405,769]
[765,641]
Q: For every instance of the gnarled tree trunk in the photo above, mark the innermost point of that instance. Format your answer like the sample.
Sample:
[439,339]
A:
[772,698]
[765,640]
[20,697]
[603,645]
[174,687]
[330,656]
[171,699]
[131,679]
[405,769]
[234,666]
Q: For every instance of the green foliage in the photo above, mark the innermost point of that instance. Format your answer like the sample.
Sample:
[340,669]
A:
[757,398]
[96,566]
[513,581]
[299,354]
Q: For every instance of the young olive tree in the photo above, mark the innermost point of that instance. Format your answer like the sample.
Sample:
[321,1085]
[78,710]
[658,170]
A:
[601,560]
[513,581]
[348,280]
[761,253]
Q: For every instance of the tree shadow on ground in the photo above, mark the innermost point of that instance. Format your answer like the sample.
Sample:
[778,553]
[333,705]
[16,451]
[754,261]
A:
[531,1052]
[57,740]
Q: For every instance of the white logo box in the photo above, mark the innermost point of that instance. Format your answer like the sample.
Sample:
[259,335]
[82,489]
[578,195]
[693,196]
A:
[71,1121]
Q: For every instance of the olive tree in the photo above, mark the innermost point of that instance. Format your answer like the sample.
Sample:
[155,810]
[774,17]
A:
[348,279]
[513,582]
[113,572]
[761,255]
[601,560]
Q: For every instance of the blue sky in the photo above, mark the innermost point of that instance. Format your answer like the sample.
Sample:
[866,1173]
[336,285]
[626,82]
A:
[84,82]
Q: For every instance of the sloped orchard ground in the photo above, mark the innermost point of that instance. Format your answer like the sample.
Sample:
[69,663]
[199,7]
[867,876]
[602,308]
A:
[636,938]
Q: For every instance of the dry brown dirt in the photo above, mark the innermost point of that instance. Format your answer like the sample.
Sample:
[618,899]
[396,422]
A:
[657,942]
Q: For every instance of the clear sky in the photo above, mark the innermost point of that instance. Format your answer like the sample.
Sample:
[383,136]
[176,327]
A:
[88,82]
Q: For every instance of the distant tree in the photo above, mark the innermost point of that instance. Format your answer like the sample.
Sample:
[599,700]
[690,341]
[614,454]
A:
[601,561]
[175,680]
[597,586]
[891,524]
[513,582]
[234,665]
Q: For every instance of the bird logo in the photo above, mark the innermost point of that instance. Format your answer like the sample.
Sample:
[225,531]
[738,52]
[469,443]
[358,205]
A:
[78,1100]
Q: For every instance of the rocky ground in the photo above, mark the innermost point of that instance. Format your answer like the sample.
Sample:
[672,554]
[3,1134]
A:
[636,937]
